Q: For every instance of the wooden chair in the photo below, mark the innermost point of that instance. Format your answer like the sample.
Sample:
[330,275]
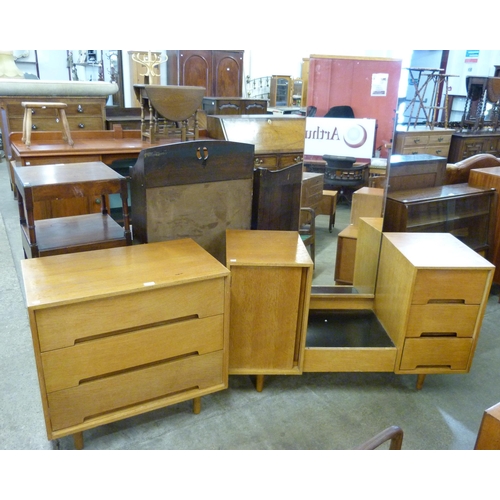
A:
[393,433]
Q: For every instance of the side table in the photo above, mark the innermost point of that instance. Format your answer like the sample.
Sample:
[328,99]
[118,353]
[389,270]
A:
[74,233]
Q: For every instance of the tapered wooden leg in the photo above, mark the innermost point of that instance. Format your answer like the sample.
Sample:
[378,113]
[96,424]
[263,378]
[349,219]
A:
[260,383]
[196,405]
[78,439]
[420,381]
[66,130]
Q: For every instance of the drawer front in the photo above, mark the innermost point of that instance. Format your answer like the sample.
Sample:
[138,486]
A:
[437,150]
[72,366]
[413,140]
[438,353]
[65,325]
[452,319]
[270,161]
[50,124]
[95,398]
[85,123]
[440,139]
[61,159]
[442,285]
[414,150]
[288,160]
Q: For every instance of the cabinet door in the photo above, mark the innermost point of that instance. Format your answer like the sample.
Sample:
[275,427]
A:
[228,73]
[195,68]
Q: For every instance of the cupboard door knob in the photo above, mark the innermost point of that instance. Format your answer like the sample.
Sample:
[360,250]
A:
[81,125]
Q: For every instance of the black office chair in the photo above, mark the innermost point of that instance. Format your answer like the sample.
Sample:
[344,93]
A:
[311,110]
[340,112]
[341,175]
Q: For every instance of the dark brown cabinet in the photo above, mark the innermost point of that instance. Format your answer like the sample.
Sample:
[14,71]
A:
[464,145]
[219,71]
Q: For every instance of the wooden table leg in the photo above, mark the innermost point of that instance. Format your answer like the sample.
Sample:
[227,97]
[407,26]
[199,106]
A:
[420,381]
[78,440]
[260,383]
[196,405]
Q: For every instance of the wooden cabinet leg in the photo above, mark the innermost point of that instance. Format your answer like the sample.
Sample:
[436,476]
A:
[420,381]
[78,439]
[196,406]
[260,383]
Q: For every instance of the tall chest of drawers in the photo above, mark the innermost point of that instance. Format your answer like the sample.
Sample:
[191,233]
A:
[430,297]
[123,331]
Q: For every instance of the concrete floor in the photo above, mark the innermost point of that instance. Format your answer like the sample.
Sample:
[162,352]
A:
[332,411]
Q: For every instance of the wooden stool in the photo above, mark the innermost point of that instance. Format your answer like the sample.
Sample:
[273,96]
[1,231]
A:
[60,113]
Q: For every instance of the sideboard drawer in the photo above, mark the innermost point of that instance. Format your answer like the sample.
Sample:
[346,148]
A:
[430,353]
[91,399]
[63,326]
[68,367]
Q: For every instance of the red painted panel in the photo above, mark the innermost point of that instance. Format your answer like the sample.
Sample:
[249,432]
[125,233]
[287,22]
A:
[338,81]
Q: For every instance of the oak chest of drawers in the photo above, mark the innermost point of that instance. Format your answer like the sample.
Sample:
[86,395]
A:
[431,296]
[123,331]
[422,140]
[83,113]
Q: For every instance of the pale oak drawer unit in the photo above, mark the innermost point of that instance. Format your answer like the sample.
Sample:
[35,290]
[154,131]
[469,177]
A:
[123,331]
[421,140]
[431,297]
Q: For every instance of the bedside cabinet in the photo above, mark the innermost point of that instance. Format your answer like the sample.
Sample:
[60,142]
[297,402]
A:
[123,331]
[431,296]
[271,275]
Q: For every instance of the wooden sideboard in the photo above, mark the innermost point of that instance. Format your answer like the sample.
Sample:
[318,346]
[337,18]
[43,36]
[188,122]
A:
[83,113]
[422,140]
[462,210]
[278,140]
[234,106]
[113,341]
[463,145]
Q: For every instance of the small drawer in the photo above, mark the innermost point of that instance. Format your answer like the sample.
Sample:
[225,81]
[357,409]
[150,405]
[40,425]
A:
[84,109]
[438,150]
[291,159]
[452,319]
[98,397]
[71,366]
[412,140]
[68,324]
[270,161]
[465,286]
[440,139]
[85,123]
[414,150]
[436,353]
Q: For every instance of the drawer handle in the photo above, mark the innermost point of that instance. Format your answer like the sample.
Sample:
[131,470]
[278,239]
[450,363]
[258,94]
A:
[440,139]
[203,157]
[438,334]
[81,125]
[297,159]
[79,108]
[416,141]
[34,127]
